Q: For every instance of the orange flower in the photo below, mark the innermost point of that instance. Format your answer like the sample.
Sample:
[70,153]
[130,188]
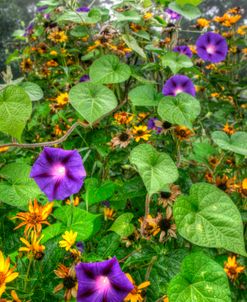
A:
[3,149]
[136,294]
[123,118]
[36,216]
[232,268]
[203,23]
[141,132]
[33,248]
[242,30]
[229,129]
[6,273]
[183,133]
[27,65]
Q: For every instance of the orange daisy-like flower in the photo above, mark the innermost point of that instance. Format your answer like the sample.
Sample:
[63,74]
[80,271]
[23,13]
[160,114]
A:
[183,133]
[232,268]
[69,281]
[36,216]
[33,248]
[141,132]
[203,23]
[229,129]
[3,149]
[6,273]
[58,36]
[123,118]
[136,294]
[27,65]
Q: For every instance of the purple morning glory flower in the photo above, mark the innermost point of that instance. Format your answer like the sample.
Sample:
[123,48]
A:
[152,125]
[29,29]
[177,84]
[172,14]
[212,47]
[59,173]
[102,282]
[83,9]
[184,50]
[84,78]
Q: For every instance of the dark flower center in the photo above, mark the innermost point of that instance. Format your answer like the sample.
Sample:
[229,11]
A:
[166,125]
[182,133]
[140,132]
[39,255]
[165,224]
[69,282]
[57,36]
[222,186]
[165,194]
[123,137]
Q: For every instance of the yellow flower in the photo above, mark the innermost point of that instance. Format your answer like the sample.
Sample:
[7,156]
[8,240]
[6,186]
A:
[141,132]
[227,20]
[96,44]
[62,99]
[109,213]
[123,118]
[4,149]
[75,201]
[232,268]
[53,53]
[51,63]
[58,36]
[203,23]
[26,65]
[215,95]
[229,129]
[36,216]
[34,248]
[242,30]
[136,294]
[183,133]
[69,240]
[166,299]
[148,16]
[6,273]
[244,51]
[193,49]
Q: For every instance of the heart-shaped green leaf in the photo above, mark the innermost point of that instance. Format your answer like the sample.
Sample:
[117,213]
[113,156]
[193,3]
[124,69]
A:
[192,2]
[236,143]
[78,220]
[109,70]
[133,44]
[92,101]
[200,280]
[208,217]
[188,11]
[145,95]
[182,109]
[156,169]
[17,188]
[15,110]
[33,90]
[176,61]
[122,225]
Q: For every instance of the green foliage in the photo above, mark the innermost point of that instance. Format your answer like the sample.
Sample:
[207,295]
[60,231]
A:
[156,169]
[133,44]
[200,279]
[176,61]
[145,95]
[182,109]
[33,90]
[92,101]
[17,188]
[108,69]
[15,110]
[123,226]
[188,11]
[236,143]
[208,217]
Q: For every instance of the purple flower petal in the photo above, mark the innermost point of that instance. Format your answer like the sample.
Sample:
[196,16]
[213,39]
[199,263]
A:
[102,282]
[184,50]
[177,84]
[84,78]
[83,9]
[174,16]
[59,173]
[212,47]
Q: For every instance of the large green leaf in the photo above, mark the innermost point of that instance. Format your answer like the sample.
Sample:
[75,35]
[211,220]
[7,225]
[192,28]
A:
[78,220]
[122,225]
[209,218]
[200,280]
[182,109]
[92,101]
[236,143]
[96,192]
[133,44]
[176,61]
[108,70]
[156,169]
[192,2]
[91,17]
[17,188]
[145,95]
[129,16]
[188,11]
[15,110]
[33,90]
[52,231]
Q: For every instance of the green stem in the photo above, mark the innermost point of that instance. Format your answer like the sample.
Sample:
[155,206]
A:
[28,271]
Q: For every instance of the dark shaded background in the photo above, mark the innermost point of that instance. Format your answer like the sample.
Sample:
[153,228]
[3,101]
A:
[14,14]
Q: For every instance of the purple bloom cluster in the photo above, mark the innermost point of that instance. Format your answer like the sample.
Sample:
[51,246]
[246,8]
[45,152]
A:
[83,9]
[177,84]
[173,16]
[84,78]
[152,125]
[184,50]
[102,282]
[59,173]
[212,47]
